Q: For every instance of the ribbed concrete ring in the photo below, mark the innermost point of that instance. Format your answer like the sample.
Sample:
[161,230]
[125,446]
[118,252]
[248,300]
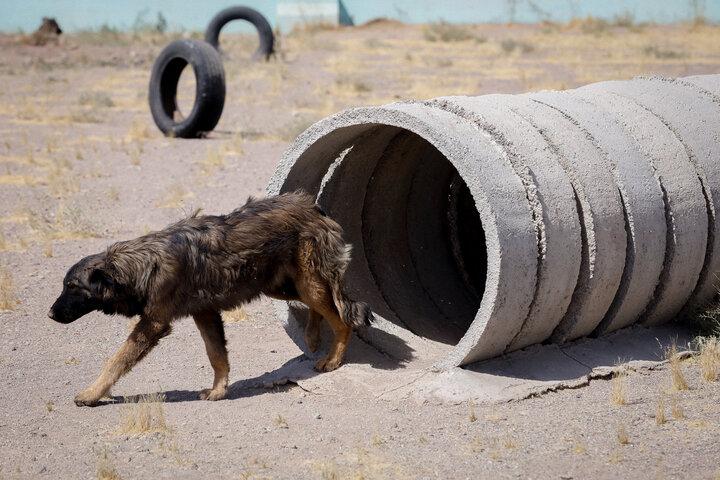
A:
[642,203]
[693,115]
[553,202]
[601,216]
[685,211]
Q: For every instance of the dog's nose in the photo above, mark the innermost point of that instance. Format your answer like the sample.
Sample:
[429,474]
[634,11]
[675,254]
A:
[51,314]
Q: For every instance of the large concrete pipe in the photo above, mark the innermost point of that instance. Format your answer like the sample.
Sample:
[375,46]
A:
[482,225]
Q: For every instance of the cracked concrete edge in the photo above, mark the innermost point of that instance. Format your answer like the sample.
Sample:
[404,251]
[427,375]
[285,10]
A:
[518,375]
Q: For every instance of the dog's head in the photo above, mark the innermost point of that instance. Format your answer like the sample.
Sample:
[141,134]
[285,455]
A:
[50,25]
[85,288]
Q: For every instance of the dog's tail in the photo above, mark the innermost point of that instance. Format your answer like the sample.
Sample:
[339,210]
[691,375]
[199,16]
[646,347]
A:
[355,314]
[332,256]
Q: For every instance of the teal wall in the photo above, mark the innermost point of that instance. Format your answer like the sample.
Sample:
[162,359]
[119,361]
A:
[193,15]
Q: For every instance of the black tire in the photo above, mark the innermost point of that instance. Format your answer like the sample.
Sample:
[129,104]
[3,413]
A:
[209,92]
[265,33]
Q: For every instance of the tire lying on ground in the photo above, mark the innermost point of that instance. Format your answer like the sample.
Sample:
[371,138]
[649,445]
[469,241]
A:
[209,94]
[265,33]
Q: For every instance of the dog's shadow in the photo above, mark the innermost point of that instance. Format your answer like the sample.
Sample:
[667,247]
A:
[296,369]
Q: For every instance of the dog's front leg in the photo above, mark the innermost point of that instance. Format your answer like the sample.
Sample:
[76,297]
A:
[146,334]
[213,333]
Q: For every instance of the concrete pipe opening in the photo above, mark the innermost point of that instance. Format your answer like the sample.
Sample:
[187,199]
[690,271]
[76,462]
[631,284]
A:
[420,253]
[421,237]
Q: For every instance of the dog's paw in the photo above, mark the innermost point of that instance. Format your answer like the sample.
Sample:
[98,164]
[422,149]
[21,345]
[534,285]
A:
[327,364]
[86,399]
[213,394]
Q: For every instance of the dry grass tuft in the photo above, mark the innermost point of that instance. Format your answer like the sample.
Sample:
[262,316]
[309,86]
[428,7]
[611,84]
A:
[96,100]
[67,223]
[144,415]
[618,393]
[676,409]
[447,32]
[707,321]
[60,179]
[660,417]
[281,422]
[105,469]
[235,315]
[662,53]
[175,197]
[353,84]
[49,406]
[8,300]
[138,131]
[510,45]
[622,435]
[580,448]
[214,160]
[471,415]
[296,126]
[709,358]
[673,358]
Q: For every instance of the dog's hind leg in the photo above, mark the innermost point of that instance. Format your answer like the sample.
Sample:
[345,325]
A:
[146,334]
[213,334]
[312,330]
[316,295]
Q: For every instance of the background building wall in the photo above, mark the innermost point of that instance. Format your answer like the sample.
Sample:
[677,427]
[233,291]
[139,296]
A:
[76,15]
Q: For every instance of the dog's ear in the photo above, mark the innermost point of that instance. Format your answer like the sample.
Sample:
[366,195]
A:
[100,280]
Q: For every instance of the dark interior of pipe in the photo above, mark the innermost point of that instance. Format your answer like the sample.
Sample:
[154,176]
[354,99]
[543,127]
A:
[404,204]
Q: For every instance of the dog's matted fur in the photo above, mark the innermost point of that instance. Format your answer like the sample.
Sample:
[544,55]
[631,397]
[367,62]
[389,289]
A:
[284,247]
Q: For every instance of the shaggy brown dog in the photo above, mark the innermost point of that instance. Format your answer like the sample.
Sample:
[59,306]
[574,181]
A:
[284,247]
[48,32]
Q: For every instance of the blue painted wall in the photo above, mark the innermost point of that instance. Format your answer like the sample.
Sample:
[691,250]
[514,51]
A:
[193,15]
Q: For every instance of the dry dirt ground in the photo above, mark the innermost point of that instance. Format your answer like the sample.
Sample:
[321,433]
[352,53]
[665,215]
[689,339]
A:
[82,165]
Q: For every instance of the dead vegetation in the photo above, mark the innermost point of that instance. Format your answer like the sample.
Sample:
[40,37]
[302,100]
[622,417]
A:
[676,410]
[235,315]
[618,395]
[67,222]
[96,100]
[213,160]
[8,300]
[511,45]
[448,32]
[676,374]
[709,358]
[662,53]
[144,415]
[105,468]
[281,422]
[622,436]
[472,416]
[660,417]
[175,196]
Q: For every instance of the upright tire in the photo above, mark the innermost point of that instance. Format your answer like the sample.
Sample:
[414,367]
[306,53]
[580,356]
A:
[265,33]
[209,93]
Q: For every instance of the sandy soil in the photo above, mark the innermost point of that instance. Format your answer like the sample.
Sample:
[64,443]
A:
[82,165]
